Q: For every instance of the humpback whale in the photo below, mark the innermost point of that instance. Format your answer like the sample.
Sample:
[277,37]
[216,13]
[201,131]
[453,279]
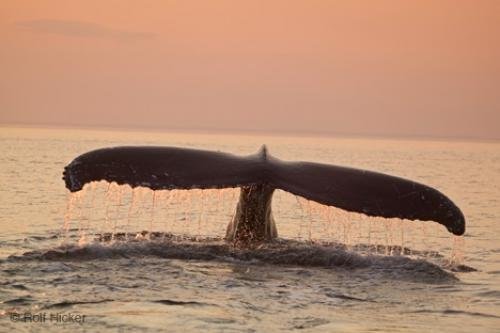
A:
[258,175]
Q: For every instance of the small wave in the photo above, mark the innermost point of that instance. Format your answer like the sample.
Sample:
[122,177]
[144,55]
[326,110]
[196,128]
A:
[307,322]
[458,312]
[279,252]
[19,286]
[348,298]
[41,238]
[494,272]
[182,303]
[490,293]
[14,285]
[66,304]
[19,301]
[462,268]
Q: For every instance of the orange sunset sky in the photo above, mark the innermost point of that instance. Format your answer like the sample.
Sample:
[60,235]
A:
[410,68]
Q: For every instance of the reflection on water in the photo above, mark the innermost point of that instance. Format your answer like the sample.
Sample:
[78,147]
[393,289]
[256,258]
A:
[144,260]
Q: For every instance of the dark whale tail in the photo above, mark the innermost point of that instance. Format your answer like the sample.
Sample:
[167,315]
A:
[354,190]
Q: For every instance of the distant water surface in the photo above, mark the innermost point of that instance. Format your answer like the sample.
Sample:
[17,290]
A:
[320,277]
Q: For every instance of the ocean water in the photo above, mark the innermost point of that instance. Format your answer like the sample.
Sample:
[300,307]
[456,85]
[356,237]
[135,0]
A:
[110,258]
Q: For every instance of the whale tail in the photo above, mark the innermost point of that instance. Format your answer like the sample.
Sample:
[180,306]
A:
[355,190]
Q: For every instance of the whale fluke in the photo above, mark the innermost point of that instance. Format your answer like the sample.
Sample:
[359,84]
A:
[355,190]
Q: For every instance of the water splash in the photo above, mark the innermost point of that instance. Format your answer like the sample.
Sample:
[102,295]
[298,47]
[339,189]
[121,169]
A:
[109,209]
[278,252]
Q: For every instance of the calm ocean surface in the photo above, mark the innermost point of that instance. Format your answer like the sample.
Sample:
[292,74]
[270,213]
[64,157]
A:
[332,271]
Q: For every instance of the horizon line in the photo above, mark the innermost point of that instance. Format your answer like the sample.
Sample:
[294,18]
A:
[253,132]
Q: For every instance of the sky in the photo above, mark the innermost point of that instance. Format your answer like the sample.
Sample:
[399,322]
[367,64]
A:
[391,68]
